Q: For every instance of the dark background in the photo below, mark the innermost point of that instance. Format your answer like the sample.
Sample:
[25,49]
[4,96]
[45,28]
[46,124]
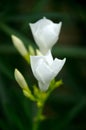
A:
[66,107]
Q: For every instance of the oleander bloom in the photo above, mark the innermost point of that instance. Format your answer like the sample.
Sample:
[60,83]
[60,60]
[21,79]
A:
[45,33]
[45,69]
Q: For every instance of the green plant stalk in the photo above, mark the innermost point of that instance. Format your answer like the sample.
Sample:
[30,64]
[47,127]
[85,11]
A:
[37,120]
[41,102]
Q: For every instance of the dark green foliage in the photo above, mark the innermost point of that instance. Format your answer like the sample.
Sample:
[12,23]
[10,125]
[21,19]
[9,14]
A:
[66,107]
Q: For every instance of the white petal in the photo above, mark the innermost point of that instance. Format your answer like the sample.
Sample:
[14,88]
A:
[40,23]
[41,69]
[57,27]
[43,72]
[57,66]
[35,60]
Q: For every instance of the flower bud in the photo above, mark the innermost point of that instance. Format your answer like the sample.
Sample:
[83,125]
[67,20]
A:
[22,83]
[20,79]
[19,45]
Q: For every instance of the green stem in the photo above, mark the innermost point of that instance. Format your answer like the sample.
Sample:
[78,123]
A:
[37,119]
[43,96]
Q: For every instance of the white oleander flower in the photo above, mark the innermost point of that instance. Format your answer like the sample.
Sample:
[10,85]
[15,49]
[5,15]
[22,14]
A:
[45,33]
[45,69]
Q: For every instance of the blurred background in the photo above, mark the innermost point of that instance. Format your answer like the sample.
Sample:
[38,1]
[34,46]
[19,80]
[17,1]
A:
[66,107]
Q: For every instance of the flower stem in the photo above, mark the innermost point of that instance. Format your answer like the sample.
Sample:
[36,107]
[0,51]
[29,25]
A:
[42,97]
[38,118]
